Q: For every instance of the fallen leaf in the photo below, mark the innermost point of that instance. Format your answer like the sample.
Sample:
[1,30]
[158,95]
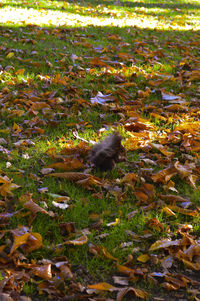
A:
[77,242]
[100,98]
[103,286]
[43,271]
[136,292]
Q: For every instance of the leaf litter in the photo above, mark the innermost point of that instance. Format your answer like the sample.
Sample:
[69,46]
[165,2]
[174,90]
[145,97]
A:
[157,113]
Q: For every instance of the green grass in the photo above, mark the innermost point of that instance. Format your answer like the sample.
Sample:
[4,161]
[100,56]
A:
[47,56]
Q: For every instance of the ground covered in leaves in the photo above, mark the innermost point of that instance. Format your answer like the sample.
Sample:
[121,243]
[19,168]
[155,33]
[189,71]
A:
[71,73]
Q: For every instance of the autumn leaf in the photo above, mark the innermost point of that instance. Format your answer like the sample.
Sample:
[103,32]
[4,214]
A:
[28,240]
[143,258]
[70,164]
[101,251]
[102,286]
[43,271]
[7,186]
[35,208]
[19,240]
[136,292]
[77,242]
[165,243]
[100,98]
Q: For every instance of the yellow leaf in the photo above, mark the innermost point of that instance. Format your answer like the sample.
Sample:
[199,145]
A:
[19,240]
[143,258]
[10,54]
[117,221]
[168,211]
[6,188]
[16,128]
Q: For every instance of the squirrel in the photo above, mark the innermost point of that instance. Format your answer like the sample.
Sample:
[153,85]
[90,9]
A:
[108,152]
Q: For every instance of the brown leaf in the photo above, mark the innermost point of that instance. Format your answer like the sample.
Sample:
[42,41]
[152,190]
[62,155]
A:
[184,211]
[154,223]
[35,208]
[162,149]
[43,271]
[77,242]
[70,164]
[175,281]
[100,250]
[170,287]
[71,176]
[167,262]
[172,198]
[184,170]
[166,243]
[121,280]
[164,175]
[28,240]
[34,242]
[136,292]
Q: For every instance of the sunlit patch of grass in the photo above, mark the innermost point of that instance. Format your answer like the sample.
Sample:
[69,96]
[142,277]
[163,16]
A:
[64,14]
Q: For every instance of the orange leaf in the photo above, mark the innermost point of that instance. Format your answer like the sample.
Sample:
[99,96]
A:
[164,175]
[103,286]
[20,71]
[98,62]
[43,271]
[71,164]
[125,270]
[130,178]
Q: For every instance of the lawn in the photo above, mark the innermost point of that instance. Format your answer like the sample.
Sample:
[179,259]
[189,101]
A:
[71,73]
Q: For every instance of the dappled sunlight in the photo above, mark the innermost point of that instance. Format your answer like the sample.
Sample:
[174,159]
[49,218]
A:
[49,17]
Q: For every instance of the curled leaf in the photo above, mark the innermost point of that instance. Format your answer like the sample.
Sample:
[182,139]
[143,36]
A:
[35,208]
[77,242]
[136,292]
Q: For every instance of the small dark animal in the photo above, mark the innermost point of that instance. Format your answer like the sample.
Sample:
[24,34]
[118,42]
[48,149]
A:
[105,154]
